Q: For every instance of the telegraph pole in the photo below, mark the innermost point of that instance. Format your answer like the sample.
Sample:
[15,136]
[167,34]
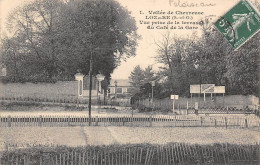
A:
[90,87]
[90,69]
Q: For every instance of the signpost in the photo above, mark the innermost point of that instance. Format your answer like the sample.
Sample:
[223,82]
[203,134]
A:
[174,97]
[219,89]
[194,89]
[207,88]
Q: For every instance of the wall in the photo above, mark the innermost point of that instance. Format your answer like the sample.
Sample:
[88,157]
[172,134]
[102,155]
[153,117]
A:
[238,101]
[93,93]
[230,100]
[58,89]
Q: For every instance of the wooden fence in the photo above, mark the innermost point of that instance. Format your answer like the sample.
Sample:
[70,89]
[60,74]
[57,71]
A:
[216,110]
[137,154]
[249,121]
[223,110]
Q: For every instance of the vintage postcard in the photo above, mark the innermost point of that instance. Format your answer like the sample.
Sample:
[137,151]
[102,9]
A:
[118,82]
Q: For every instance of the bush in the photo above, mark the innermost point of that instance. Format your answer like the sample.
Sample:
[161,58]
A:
[143,108]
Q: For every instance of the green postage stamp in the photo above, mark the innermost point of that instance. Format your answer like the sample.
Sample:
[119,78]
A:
[239,24]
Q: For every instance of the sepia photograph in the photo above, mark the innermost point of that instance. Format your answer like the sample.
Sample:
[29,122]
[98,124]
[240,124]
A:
[129,82]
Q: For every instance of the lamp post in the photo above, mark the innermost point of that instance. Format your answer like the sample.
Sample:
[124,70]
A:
[100,78]
[90,87]
[197,66]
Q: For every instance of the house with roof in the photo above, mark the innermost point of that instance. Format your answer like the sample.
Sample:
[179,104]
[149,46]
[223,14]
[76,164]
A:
[120,88]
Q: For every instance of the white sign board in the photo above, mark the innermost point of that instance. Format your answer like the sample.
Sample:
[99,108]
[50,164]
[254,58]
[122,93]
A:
[194,88]
[207,88]
[175,97]
[153,83]
[219,89]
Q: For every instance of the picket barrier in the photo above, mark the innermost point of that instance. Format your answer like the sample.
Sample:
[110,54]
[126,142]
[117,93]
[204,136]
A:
[249,121]
[134,154]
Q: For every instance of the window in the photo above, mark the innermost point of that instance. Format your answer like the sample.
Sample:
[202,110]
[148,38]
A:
[119,90]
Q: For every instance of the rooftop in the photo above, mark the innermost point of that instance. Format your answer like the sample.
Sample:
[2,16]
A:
[120,82]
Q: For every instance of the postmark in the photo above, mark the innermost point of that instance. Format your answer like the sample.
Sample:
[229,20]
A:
[239,24]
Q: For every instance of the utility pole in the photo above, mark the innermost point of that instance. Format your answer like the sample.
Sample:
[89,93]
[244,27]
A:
[90,86]
[90,70]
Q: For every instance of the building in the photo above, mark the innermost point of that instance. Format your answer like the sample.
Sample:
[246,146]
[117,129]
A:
[120,88]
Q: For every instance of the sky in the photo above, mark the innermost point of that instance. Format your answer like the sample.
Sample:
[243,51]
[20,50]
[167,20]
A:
[146,51]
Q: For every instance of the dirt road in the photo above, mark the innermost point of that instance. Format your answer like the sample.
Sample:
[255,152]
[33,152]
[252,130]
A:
[22,137]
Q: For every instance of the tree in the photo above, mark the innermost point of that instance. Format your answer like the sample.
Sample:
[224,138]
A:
[34,25]
[242,76]
[211,60]
[141,79]
[136,79]
[164,56]
[221,65]
[176,55]
[102,27]
[57,38]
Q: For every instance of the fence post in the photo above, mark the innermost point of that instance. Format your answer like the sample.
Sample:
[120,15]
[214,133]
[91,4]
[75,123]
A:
[124,121]
[227,109]
[9,120]
[226,122]
[246,124]
[40,121]
[150,120]
[96,120]
[68,120]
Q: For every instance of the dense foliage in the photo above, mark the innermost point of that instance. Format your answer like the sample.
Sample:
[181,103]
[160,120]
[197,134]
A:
[50,40]
[209,60]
